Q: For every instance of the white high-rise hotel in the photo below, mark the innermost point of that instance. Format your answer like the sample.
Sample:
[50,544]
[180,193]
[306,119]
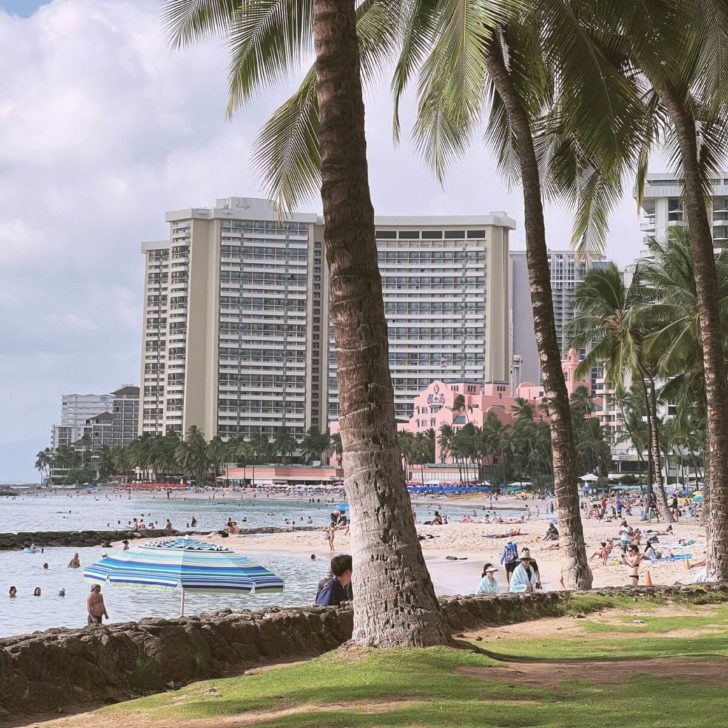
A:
[662,207]
[236,330]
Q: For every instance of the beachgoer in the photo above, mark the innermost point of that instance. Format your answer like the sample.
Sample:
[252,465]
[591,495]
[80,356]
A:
[509,558]
[95,606]
[330,535]
[488,583]
[168,525]
[552,533]
[36,592]
[45,566]
[13,592]
[193,522]
[524,576]
[601,553]
[75,562]
[436,519]
[625,536]
[632,559]
[336,589]
[649,553]
[62,593]
[126,545]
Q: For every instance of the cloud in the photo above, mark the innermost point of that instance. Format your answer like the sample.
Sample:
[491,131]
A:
[104,128]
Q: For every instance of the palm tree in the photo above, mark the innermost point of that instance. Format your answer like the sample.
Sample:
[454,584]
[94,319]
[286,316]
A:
[43,463]
[314,444]
[444,441]
[284,444]
[610,324]
[336,447]
[216,453]
[634,423]
[472,55]
[394,606]
[677,50]
[191,455]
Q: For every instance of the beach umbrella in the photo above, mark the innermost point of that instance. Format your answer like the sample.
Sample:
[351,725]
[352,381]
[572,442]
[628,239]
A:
[342,507]
[186,564]
[589,477]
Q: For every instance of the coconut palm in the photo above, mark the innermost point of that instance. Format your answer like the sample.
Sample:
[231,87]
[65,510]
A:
[608,324]
[191,455]
[677,51]
[284,444]
[518,66]
[393,606]
[44,462]
[314,444]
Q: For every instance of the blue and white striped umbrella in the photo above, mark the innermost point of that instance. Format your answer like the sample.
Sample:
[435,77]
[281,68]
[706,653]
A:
[184,563]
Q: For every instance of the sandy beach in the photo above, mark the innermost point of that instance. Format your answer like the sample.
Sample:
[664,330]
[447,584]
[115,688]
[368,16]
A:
[473,544]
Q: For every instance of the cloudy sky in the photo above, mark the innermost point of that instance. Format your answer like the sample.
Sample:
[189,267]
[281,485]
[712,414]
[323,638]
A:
[103,128]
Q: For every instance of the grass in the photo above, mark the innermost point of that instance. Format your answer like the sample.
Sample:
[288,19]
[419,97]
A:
[435,687]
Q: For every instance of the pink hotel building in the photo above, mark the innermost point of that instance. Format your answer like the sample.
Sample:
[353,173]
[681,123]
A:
[435,405]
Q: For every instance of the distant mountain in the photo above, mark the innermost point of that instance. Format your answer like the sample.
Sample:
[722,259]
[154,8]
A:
[18,458]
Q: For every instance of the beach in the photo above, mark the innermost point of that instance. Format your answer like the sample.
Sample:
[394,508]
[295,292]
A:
[470,545]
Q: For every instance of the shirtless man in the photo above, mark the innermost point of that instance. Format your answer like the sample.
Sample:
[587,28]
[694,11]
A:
[95,606]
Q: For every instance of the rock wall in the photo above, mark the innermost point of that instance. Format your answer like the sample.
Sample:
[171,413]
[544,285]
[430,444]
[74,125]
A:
[10,541]
[45,671]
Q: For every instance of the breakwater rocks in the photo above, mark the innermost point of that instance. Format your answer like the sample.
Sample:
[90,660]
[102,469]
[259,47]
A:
[14,541]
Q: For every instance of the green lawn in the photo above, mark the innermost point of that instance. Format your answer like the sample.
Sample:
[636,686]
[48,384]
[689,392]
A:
[449,687]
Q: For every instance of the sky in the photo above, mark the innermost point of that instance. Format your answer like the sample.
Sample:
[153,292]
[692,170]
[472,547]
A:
[104,128]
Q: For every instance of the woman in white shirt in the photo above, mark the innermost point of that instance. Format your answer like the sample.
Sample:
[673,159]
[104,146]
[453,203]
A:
[488,584]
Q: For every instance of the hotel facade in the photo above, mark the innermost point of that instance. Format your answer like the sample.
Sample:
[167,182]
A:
[236,335]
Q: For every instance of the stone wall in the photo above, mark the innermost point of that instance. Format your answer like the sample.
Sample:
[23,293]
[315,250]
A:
[45,671]
[10,541]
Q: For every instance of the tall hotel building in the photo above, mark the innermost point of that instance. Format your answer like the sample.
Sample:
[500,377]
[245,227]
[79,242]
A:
[567,271]
[662,207]
[236,328]
[445,285]
[234,325]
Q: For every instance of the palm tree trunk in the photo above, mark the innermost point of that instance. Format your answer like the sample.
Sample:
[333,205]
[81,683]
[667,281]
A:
[661,498]
[395,601]
[716,385]
[573,548]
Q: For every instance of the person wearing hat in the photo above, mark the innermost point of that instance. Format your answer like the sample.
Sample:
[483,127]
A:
[488,584]
[524,578]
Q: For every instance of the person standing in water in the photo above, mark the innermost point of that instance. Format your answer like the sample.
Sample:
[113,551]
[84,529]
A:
[95,606]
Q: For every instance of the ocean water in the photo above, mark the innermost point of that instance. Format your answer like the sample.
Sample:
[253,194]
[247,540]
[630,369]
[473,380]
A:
[92,512]
[27,613]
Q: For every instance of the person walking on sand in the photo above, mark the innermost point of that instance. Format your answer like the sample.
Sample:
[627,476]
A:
[488,584]
[95,606]
[509,558]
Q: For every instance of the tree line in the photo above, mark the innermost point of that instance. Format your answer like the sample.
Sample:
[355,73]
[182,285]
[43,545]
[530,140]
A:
[192,457]
[575,97]
[645,335]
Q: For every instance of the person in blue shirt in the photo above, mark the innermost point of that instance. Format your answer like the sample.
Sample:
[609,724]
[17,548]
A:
[488,584]
[509,558]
